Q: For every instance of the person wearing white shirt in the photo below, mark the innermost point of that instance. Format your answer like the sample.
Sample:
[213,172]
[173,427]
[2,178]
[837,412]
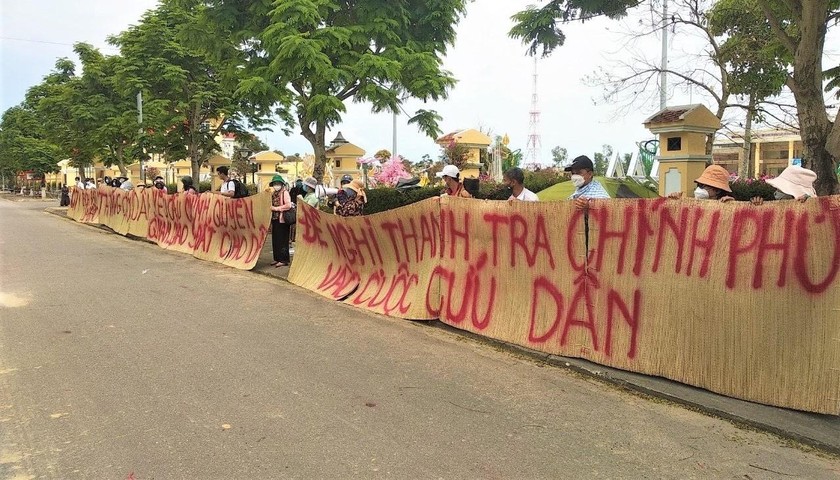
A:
[80,184]
[514,180]
[228,185]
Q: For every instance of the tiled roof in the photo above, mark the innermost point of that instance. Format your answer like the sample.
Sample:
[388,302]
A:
[668,116]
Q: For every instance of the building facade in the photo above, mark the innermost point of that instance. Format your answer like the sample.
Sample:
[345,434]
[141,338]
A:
[771,151]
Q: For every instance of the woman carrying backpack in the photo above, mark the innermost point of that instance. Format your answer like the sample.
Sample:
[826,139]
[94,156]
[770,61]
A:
[281,202]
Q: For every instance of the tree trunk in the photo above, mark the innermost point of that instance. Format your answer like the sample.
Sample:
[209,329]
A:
[746,159]
[195,165]
[121,161]
[806,85]
[318,141]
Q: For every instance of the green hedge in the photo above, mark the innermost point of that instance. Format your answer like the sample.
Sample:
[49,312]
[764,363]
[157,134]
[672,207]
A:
[387,198]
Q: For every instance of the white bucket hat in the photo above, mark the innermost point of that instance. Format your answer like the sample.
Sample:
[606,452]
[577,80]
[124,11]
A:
[311,183]
[795,181]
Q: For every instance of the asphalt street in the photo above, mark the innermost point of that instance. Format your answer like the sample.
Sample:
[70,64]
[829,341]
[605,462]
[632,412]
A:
[121,360]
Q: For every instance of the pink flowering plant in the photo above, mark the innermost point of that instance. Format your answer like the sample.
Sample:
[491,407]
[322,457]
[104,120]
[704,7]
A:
[393,170]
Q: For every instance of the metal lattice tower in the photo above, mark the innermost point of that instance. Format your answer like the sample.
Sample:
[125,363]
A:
[534,142]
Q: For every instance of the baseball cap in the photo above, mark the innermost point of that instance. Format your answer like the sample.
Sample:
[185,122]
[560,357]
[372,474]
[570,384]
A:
[449,171]
[580,163]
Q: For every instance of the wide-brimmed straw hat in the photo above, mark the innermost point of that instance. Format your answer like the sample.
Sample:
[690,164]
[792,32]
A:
[796,181]
[715,176]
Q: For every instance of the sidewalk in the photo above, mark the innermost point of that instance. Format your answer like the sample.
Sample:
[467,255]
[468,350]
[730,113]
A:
[820,431]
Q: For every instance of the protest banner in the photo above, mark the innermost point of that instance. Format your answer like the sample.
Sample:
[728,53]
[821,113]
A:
[207,226]
[379,262]
[739,299]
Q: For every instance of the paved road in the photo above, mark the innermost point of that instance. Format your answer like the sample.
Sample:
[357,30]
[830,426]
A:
[118,359]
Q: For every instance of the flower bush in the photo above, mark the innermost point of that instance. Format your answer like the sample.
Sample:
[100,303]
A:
[743,189]
[392,171]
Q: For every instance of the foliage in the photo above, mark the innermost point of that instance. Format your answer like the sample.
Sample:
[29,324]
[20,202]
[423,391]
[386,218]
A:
[559,156]
[58,101]
[152,172]
[743,189]
[205,186]
[385,198]
[382,155]
[538,27]
[456,154]
[539,180]
[316,55]
[511,158]
[601,160]
[23,143]
[191,95]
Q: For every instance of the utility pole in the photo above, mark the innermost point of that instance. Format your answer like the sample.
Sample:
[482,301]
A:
[394,144]
[663,77]
[143,147]
[534,141]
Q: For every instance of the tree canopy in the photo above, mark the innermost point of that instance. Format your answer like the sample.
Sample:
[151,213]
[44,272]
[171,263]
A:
[788,33]
[315,55]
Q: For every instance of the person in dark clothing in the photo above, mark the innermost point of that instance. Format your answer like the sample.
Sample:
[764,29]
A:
[187,181]
[295,192]
[65,196]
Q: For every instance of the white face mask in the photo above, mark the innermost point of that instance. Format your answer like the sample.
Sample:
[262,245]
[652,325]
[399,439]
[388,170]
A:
[701,194]
[277,188]
[578,180]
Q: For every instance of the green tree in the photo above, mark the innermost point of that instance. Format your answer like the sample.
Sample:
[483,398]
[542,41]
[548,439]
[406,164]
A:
[66,115]
[601,160]
[539,26]
[559,156]
[190,95]
[24,145]
[319,54]
[799,26]
[113,117]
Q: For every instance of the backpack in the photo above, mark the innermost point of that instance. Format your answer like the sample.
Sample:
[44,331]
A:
[239,189]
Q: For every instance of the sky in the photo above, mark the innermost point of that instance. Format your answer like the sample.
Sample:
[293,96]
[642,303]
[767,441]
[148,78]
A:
[494,90]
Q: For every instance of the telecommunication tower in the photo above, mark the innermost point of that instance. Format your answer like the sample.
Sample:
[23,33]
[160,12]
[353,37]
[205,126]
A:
[534,141]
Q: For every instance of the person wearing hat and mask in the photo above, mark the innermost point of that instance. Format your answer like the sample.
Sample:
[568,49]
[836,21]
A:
[586,187]
[310,187]
[712,184]
[452,179]
[281,201]
[351,199]
[794,183]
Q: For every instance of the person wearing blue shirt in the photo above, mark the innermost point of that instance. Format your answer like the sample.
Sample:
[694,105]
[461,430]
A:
[583,178]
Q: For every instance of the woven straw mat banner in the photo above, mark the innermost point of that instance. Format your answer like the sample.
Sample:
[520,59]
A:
[207,226]
[382,262]
[739,299]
